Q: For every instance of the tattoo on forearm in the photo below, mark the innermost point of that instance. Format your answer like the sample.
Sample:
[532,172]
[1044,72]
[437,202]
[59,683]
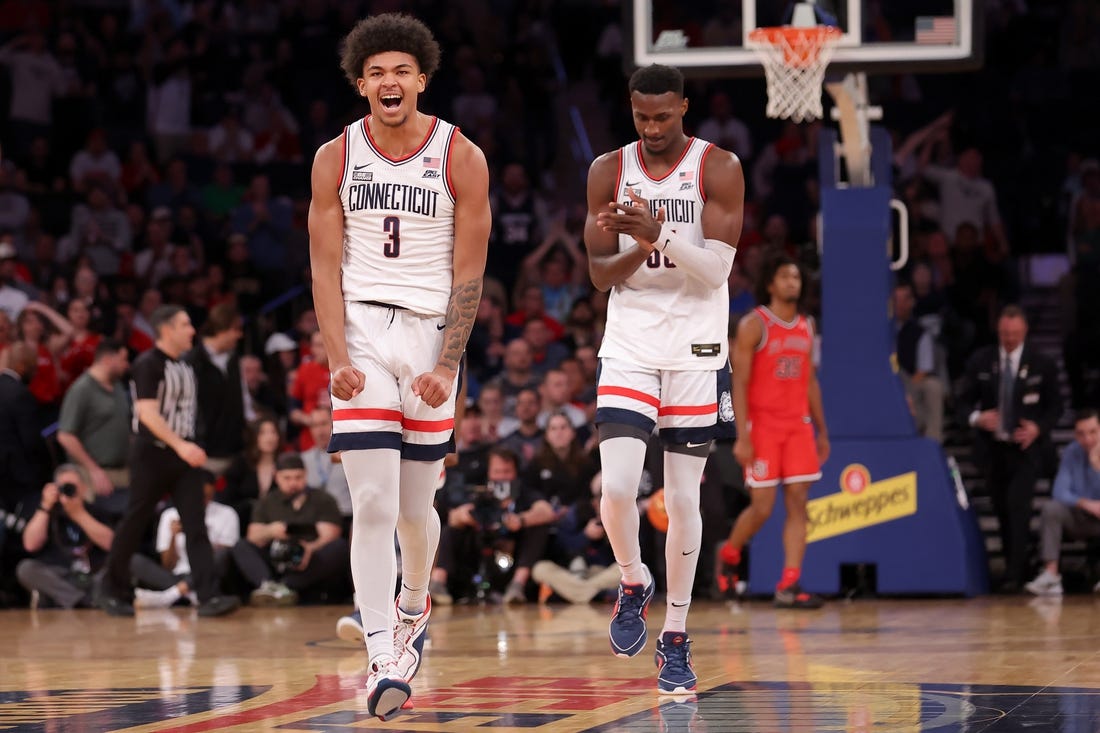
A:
[461,309]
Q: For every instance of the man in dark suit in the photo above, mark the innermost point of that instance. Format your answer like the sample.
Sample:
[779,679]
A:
[1010,396]
[220,424]
[22,450]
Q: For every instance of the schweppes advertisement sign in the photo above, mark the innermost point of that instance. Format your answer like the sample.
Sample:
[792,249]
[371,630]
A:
[861,503]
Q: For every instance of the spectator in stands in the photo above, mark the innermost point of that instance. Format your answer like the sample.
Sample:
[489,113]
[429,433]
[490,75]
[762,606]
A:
[22,450]
[559,266]
[229,141]
[519,220]
[95,163]
[485,349]
[580,326]
[530,304]
[251,476]
[555,395]
[517,375]
[1010,396]
[175,190]
[36,79]
[472,450]
[506,515]
[546,353]
[490,407]
[170,100]
[12,297]
[79,354]
[69,538]
[138,172]
[916,354]
[1074,506]
[723,129]
[94,428]
[15,207]
[967,197]
[220,422]
[31,328]
[561,469]
[259,396]
[265,220]
[310,385]
[161,584]
[522,434]
[293,542]
[584,564]
[324,470]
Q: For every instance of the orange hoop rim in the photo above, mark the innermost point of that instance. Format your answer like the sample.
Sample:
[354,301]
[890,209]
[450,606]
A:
[773,34]
[800,45]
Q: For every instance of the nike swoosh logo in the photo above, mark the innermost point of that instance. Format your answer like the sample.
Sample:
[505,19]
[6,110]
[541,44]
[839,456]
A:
[678,605]
[688,552]
[440,327]
[632,185]
[697,445]
[375,632]
[360,167]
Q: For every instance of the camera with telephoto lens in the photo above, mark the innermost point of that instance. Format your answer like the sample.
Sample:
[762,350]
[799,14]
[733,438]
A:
[68,488]
[286,554]
[489,507]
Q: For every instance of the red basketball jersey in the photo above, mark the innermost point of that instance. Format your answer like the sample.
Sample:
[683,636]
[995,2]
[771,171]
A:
[779,386]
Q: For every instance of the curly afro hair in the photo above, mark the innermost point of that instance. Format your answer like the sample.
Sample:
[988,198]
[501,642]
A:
[388,32]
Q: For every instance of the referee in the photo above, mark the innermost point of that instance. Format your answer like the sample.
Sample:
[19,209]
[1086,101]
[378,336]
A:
[164,458]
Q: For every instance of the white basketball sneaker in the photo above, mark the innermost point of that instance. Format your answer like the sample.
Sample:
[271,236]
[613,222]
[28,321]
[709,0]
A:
[408,639]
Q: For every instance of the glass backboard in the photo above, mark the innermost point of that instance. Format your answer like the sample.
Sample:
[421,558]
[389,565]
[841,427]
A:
[885,36]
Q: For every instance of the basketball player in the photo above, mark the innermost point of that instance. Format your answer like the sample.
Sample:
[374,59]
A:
[775,386]
[664,216]
[399,226]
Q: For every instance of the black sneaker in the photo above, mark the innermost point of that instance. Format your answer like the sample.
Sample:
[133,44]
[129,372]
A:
[219,605]
[794,597]
[113,606]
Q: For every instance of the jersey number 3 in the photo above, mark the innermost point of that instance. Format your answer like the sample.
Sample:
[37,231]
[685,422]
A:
[392,247]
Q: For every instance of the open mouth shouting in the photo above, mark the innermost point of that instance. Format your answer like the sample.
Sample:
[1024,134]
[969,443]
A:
[390,102]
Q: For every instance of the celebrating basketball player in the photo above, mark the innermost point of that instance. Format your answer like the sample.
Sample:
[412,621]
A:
[775,387]
[664,216]
[399,226]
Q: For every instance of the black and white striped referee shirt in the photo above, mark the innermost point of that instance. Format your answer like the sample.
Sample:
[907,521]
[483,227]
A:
[171,382]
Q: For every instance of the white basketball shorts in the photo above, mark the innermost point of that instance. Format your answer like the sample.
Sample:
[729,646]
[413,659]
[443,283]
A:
[687,406]
[392,347]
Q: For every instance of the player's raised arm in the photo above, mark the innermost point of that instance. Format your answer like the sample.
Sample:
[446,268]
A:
[473,221]
[606,265]
[326,246]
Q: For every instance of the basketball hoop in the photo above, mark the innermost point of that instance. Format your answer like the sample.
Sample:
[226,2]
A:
[794,62]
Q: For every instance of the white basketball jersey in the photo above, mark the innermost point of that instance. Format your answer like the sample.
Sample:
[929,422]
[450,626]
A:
[398,221]
[659,317]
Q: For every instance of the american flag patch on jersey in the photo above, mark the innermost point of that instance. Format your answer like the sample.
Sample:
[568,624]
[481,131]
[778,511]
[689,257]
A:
[430,162]
[687,175]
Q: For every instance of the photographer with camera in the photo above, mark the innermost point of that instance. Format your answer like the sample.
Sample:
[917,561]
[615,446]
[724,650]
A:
[584,563]
[293,543]
[69,541]
[503,519]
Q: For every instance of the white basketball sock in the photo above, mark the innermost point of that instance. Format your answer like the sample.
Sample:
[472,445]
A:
[622,460]
[417,531]
[683,474]
[374,480]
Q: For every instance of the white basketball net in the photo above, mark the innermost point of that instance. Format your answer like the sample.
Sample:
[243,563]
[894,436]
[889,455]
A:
[794,62]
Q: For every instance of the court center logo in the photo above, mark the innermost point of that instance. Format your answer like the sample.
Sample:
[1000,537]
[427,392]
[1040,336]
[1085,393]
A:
[861,503]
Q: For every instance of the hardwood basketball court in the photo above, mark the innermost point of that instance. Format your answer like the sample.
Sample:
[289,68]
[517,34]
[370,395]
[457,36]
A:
[985,665]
